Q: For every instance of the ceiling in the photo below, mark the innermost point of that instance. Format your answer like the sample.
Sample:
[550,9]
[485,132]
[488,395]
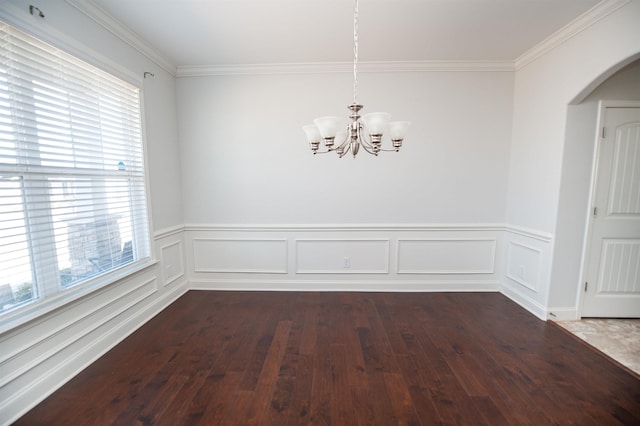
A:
[235,32]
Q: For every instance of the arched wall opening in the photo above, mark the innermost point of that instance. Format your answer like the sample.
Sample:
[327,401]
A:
[620,82]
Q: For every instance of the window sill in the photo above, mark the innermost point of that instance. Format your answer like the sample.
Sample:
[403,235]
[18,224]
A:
[33,310]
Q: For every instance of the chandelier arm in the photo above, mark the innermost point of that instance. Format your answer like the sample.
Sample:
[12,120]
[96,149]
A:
[368,149]
[364,141]
[345,152]
[366,145]
[344,143]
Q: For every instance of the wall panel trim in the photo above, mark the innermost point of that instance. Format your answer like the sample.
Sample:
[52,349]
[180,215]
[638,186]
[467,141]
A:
[489,268]
[382,268]
[168,274]
[533,286]
[247,264]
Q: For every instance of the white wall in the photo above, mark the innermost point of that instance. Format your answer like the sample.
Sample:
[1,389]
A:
[262,212]
[43,354]
[542,92]
[245,159]
[163,151]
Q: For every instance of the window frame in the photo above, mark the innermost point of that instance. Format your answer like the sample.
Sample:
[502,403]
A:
[54,296]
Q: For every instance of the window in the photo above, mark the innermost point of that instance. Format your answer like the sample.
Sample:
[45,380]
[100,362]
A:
[72,183]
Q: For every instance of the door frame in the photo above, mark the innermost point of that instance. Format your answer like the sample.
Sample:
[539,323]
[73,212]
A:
[586,246]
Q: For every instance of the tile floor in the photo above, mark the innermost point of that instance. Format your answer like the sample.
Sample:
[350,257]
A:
[618,338]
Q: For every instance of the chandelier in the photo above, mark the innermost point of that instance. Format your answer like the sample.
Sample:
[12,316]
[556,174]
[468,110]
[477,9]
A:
[366,133]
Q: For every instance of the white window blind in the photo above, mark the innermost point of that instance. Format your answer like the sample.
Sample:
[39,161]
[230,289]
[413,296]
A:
[72,182]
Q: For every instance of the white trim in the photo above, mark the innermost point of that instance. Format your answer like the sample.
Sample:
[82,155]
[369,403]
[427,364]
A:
[345,285]
[526,302]
[167,232]
[490,270]
[105,20]
[43,356]
[166,277]
[531,286]
[581,23]
[562,314]
[280,270]
[528,232]
[346,227]
[344,67]
[38,308]
[356,227]
[384,271]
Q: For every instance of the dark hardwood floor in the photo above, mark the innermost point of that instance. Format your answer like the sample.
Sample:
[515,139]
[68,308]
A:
[234,358]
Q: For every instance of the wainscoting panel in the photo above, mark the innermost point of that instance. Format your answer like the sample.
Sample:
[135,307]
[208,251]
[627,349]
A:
[524,264]
[446,256]
[325,256]
[527,269]
[449,257]
[266,256]
[172,260]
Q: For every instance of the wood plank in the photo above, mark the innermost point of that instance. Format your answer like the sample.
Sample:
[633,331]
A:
[341,406]
[268,376]
[401,402]
[217,396]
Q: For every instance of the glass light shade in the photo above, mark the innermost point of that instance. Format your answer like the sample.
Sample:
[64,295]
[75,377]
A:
[398,129]
[313,134]
[341,136]
[376,122]
[328,126]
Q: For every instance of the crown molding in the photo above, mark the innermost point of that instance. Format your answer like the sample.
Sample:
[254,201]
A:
[581,23]
[584,21]
[344,67]
[104,19]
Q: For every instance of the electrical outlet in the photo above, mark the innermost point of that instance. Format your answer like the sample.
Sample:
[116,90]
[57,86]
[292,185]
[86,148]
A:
[346,263]
[521,271]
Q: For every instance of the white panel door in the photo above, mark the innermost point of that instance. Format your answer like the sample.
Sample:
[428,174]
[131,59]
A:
[613,269]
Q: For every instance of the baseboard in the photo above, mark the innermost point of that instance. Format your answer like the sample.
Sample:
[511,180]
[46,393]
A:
[563,314]
[526,302]
[344,285]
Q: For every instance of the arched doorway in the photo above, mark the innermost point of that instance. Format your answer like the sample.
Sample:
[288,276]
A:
[621,82]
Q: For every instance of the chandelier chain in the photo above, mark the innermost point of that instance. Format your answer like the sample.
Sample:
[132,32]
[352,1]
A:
[355,53]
